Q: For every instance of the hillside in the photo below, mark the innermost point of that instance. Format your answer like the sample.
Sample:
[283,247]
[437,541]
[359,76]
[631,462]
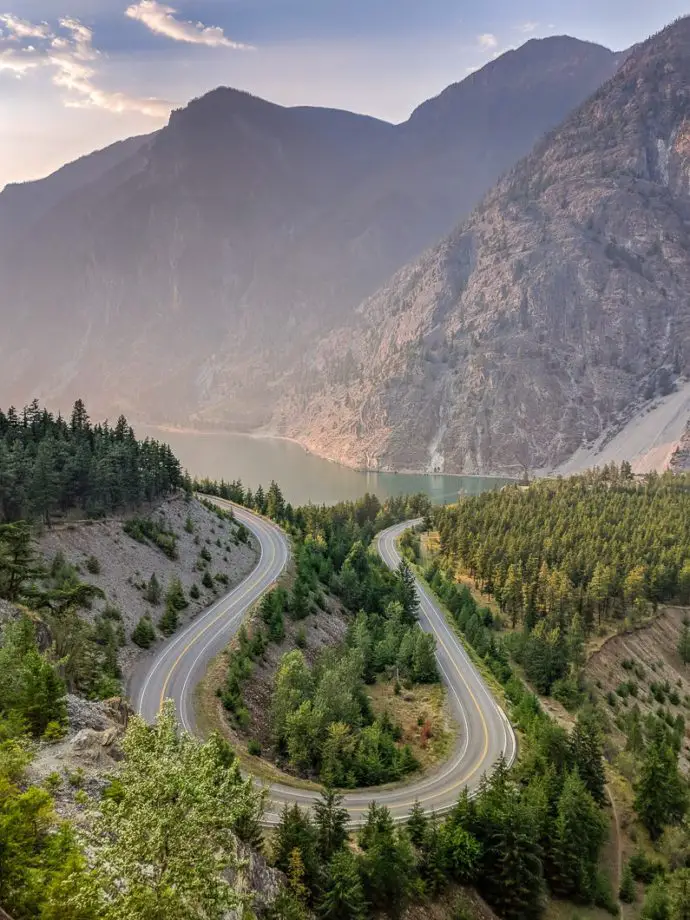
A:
[548,318]
[183,282]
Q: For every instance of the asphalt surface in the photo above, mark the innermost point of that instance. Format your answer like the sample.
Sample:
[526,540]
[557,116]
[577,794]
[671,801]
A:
[484,733]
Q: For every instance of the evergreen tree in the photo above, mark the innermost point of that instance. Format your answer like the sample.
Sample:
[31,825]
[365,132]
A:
[296,831]
[331,821]
[627,892]
[343,896]
[387,862]
[417,824]
[153,591]
[578,835]
[408,591]
[660,794]
[587,754]
[684,642]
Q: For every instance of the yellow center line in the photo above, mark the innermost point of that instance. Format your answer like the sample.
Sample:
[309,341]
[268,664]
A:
[248,589]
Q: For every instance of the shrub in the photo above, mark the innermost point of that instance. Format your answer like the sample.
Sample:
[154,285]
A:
[254,747]
[54,731]
[301,638]
[207,581]
[93,566]
[194,592]
[144,635]
[188,525]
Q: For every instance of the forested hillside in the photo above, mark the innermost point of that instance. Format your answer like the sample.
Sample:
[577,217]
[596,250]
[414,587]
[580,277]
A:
[50,466]
[564,558]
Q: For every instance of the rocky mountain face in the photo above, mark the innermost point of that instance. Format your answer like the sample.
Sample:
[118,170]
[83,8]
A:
[557,309]
[187,281]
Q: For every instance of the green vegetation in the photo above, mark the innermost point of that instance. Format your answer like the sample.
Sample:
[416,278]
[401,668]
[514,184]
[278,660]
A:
[321,719]
[146,530]
[49,466]
[567,556]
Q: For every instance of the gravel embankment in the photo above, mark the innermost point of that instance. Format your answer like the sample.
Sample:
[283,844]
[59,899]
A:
[126,565]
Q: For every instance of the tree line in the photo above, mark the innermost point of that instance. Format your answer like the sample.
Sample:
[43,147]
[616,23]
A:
[50,465]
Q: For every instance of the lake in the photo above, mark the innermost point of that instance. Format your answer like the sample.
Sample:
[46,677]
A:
[303,477]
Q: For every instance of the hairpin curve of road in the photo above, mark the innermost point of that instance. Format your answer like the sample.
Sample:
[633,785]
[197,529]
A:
[485,733]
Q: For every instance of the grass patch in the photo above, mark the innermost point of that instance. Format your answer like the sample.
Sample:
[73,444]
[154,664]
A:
[421,713]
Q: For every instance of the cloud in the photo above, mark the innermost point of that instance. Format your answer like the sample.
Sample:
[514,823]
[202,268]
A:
[528,27]
[487,41]
[68,54]
[20,28]
[160,18]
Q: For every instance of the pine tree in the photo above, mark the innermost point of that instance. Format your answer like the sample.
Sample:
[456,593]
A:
[343,897]
[684,642]
[408,591]
[296,831]
[331,821]
[424,666]
[587,754]
[143,634]
[417,824]
[660,796]
[153,591]
[627,892]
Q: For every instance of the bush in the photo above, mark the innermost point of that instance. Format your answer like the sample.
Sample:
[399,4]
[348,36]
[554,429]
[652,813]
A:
[254,747]
[145,530]
[301,638]
[93,566]
[194,592]
[643,868]
[144,635]
[54,731]
[207,581]
[106,688]
[603,894]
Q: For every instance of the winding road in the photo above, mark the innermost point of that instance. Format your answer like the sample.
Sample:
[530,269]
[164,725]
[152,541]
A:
[484,730]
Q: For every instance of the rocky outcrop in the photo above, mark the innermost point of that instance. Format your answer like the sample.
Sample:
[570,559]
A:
[551,315]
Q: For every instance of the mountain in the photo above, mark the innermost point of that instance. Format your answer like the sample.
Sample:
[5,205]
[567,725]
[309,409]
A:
[557,311]
[184,282]
[23,204]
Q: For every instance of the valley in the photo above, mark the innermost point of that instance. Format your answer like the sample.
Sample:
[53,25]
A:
[382,607]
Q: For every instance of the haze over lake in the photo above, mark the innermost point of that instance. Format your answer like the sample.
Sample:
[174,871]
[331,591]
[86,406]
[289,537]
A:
[303,477]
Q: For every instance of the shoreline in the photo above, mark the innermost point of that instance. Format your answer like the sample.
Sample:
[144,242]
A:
[269,436]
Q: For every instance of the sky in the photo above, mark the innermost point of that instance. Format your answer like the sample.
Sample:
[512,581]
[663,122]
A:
[76,75]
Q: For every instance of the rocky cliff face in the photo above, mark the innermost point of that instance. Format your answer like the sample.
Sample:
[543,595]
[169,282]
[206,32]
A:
[543,321]
[185,281]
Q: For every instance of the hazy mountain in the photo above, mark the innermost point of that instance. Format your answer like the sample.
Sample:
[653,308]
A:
[22,204]
[184,280]
[557,310]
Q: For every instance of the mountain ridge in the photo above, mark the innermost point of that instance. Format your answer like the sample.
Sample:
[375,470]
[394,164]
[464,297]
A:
[188,285]
[547,318]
